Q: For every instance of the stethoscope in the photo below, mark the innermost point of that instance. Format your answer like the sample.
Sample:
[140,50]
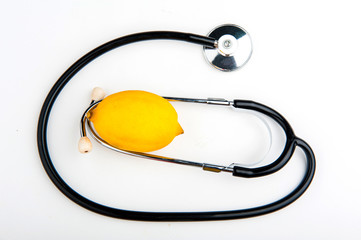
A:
[227,48]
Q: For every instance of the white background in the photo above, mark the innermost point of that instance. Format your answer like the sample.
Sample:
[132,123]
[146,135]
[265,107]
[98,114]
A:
[306,64]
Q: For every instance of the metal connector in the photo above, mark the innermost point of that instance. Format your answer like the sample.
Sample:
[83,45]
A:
[216,168]
[218,101]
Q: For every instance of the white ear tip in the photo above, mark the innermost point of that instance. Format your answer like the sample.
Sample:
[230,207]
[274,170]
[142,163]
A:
[85,145]
[98,94]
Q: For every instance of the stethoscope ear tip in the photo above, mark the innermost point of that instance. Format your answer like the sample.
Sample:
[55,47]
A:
[97,94]
[84,145]
[232,50]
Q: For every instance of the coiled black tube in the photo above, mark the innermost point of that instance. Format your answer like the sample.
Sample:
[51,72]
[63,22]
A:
[292,142]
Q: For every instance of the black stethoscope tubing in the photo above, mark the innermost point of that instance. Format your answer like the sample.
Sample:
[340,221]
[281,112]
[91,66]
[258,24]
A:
[291,143]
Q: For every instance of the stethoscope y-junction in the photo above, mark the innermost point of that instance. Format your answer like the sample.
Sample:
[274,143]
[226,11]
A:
[227,48]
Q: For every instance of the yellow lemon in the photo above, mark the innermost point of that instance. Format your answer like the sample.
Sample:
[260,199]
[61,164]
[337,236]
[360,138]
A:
[136,121]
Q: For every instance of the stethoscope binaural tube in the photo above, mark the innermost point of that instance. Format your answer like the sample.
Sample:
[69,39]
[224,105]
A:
[291,143]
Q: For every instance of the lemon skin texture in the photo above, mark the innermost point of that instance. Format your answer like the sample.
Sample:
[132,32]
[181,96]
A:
[136,121]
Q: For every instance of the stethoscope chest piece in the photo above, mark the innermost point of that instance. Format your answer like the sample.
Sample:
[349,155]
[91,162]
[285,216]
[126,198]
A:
[233,48]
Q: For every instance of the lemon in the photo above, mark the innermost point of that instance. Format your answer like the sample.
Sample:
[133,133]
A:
[136,121]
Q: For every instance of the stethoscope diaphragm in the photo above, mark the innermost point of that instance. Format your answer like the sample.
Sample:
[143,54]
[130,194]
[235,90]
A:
[233,48]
